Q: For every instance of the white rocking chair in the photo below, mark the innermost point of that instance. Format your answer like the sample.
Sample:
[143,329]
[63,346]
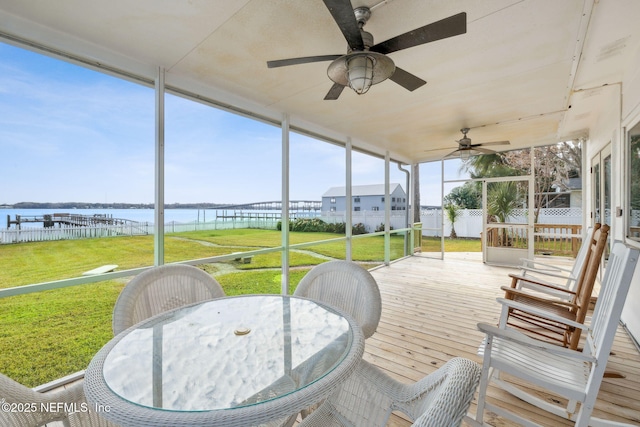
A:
[571,374]
[552,279]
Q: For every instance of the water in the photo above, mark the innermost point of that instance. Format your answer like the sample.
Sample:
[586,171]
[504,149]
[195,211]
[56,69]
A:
[139,215]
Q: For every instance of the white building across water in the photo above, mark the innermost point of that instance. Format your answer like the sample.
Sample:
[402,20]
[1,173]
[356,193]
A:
[364,198]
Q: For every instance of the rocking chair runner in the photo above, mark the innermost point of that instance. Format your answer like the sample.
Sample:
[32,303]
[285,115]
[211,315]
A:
[517,305]
[574,375]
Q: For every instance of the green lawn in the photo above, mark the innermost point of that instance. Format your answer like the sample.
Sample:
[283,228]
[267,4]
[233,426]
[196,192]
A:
[47,335]
[432,244]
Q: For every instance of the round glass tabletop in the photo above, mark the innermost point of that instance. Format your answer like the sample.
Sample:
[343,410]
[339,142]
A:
[227,353]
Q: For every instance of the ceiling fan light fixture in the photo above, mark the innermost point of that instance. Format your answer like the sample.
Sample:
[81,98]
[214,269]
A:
[361,70]
[360,73]
[465,154]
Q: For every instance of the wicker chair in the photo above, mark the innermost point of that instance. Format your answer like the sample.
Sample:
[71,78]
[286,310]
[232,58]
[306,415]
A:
[67,406]
[161,289]
[347,286]
[367,399]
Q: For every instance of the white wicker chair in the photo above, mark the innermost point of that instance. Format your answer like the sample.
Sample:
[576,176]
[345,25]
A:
[69,406]
[160,289]
[367,399]
[347,286]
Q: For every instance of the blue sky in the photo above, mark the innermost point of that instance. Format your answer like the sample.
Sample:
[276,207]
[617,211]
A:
[72,134]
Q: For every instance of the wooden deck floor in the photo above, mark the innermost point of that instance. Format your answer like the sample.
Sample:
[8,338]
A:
[430,308]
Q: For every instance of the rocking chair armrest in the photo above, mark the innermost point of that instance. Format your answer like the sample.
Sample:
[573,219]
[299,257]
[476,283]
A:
[520,338]
[541,299]
[560,275]
[535,281]
[540,312]
[543,266]
[531,263]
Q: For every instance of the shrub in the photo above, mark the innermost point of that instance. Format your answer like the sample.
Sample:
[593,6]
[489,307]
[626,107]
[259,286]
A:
[338,227]
[358,228]
[318,225]
[381,227]
[308,225]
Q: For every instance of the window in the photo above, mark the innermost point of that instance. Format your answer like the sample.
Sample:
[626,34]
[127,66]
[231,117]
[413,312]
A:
[382,199]
[332,209]
[357,209]
[356,200]
[393,199]
[333,200]
[633,172]
[375,208]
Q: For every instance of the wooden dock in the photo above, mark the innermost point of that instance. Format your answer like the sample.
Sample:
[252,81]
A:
[67,219]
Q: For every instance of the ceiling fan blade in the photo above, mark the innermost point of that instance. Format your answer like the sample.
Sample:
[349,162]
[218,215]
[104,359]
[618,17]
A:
[491,143]
[483,150]
[342,13]
[334,92]
[447,27]
[452,155]
[436,149]
[407,80]
[303,60]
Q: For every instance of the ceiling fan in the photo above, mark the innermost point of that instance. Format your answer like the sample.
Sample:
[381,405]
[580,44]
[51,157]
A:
[365,63]
[466,149]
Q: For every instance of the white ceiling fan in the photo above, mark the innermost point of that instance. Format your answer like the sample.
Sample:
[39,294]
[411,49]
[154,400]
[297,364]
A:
[467,149]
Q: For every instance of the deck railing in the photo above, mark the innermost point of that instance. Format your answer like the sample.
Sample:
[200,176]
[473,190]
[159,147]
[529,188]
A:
[40,234]
[549,239]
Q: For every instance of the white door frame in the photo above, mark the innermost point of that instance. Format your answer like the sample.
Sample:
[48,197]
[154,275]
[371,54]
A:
[508,256]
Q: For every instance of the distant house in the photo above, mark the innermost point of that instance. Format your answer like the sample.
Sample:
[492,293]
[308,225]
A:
[569,198]
[365,198]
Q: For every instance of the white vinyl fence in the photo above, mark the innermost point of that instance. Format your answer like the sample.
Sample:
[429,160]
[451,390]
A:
[469,224]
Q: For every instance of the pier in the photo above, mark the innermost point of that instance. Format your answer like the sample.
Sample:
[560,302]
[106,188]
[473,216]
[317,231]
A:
[294,206]
[66,219]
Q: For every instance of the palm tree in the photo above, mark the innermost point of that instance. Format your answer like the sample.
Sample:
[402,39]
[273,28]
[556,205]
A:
[503,198]
[452,212]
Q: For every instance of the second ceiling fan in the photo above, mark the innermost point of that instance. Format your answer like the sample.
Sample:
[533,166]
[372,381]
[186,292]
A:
[466,149]
[365,63]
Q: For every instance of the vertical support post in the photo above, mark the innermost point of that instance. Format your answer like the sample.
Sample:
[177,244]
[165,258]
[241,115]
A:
[408,237]
[442,209]
[531,202]
[285,204]
[485,236]
[158,237]
[348,209]
[387,211]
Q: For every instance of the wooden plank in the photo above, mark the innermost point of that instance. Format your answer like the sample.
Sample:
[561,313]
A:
[101,270]
[430,311]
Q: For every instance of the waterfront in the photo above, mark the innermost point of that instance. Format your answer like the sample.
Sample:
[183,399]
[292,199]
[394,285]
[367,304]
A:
[138,215]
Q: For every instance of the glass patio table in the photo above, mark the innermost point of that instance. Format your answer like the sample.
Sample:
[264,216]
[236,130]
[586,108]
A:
[236,361]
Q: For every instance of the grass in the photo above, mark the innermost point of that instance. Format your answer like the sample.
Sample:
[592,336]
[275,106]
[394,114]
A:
[432,244]
[47,335]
